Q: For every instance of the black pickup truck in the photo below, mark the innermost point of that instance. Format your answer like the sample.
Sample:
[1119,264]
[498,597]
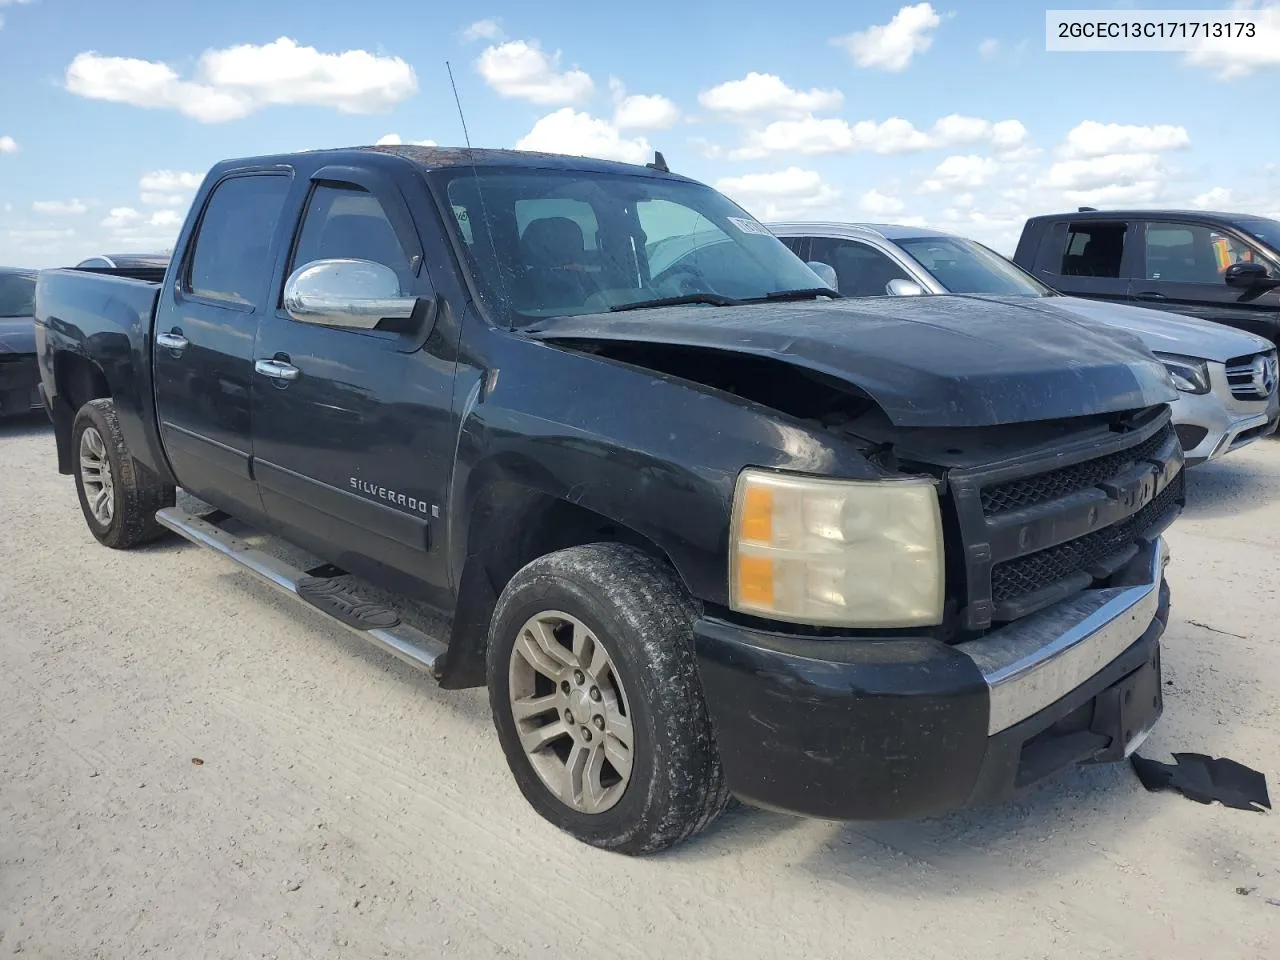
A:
[702,527]
[1223,267]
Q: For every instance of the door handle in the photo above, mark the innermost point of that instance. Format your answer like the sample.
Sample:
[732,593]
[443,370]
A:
[1151,295]
[172,341]
[277,369]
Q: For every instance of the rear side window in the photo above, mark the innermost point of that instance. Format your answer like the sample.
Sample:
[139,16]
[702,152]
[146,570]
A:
[349,223]
[231,259]
[1093,250]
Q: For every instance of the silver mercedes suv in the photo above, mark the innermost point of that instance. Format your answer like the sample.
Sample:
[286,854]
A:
[1226,378]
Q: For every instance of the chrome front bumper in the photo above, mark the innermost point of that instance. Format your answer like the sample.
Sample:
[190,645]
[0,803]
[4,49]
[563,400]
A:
[1036,661]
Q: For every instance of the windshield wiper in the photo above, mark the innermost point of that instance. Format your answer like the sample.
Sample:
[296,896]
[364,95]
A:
[715,299]
[808,293]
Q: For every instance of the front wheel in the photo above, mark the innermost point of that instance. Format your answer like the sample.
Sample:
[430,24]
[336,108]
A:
[595,695]
[118,496]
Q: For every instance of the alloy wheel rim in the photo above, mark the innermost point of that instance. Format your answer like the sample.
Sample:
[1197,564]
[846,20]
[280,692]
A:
[571,712]
[95,476]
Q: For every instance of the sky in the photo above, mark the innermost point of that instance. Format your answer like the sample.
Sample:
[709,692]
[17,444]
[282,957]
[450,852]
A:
[950,115]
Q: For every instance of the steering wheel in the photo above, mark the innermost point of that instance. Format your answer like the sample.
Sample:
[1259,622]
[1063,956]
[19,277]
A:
[686,279]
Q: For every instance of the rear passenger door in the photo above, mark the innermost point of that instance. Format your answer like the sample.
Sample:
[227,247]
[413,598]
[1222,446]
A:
[1182,270]
[204,338]
[1093,259]
[353,455]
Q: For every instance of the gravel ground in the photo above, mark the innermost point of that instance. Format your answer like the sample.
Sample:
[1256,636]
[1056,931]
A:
[347,807]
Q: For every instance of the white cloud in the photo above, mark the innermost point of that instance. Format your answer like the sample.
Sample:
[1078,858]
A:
[761,93]
[1238,57]
[8,145]
[891,46]
[393,140]
[121,217]
[70,207]
[988,48]
[580,134]
[813,136]
[521,70]
[961,170]
[1008,135]
[165,218]
[645,112]
[877,204]
[1097,172]
[483,30]
[236,81]
[780,195]
[1094,139]
[166,181]
[641,111]
[1216,197]
[712,151]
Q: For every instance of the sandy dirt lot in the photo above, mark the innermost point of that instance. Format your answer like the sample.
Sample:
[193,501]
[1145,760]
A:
[347,807]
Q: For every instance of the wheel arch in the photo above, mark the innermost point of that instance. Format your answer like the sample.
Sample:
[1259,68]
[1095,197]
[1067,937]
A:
[510,524]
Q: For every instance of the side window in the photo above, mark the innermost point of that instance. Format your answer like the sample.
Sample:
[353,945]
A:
[1093,250]
[1192,253]
[796,245]
[349,223]
[231,259]
[861,270]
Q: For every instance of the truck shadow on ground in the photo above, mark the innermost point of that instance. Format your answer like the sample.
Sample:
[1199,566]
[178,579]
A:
[25,425]
[1068,818]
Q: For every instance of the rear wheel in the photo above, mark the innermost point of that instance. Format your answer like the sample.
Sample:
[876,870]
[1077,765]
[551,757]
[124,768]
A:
[118,496]
[595,695]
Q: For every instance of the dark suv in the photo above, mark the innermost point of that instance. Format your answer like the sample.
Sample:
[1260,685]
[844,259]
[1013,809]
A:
[1218,266]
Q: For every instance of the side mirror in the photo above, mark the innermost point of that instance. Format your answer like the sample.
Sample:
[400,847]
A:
[1248,276]
[353,294]
[897,287]
[826,273]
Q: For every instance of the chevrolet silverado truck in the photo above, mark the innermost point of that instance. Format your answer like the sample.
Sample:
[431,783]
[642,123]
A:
[702,527]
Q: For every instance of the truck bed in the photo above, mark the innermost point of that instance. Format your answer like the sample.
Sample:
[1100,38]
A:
[103,323]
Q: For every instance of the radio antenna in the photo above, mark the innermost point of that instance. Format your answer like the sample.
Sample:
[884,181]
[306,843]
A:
[458,100]
[486,226]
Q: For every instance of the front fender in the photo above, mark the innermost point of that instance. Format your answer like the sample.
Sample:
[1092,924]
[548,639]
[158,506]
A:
[654,454]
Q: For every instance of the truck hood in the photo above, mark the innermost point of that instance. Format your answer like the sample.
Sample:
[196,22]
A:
[17,335]
[1166,332]
[940,361]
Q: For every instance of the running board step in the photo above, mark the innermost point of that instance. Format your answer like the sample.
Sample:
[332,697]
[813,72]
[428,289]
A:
[378,624]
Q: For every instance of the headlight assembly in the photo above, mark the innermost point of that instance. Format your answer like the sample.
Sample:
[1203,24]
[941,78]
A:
[1190,375]
[850,553]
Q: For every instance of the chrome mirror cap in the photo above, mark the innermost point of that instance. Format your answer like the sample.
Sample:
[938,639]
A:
[356,294]
[898,287]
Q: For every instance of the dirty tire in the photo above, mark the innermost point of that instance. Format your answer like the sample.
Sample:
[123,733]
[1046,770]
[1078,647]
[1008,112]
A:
[137,492]
[638,608]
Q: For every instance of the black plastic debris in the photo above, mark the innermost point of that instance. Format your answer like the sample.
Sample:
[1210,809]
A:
[1206,779]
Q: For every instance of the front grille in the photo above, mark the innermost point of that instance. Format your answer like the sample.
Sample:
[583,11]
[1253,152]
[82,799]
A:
[1028,491]
[1253,377]
[1031,540]
[1016,578]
